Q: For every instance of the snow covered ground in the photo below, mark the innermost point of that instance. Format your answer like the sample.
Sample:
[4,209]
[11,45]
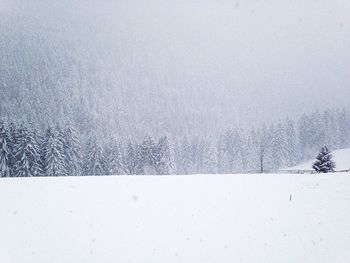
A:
[341,158]
[204,218]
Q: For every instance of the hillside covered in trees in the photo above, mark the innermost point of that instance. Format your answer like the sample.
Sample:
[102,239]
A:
[181,68]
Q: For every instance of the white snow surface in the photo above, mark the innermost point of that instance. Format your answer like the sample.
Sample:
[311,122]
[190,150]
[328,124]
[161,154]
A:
[341,158]
[202,218]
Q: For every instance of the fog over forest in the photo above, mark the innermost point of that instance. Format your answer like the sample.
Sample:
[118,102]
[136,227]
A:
[178,67]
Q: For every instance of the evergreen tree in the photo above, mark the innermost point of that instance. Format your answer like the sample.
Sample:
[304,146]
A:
[41,157]
[330,129]
[221,154]
[114,159]
[324,162]
[185,165]
[130,162]
[146,156]
[12,130]
[94,163]
[261,142]
[53,153]
[5,151]
[163,160]
[210,165]
[232,152]
[306,135]
[251,151]
[293,147]
[72,151]
[26,154]
[278,144]
[343,123]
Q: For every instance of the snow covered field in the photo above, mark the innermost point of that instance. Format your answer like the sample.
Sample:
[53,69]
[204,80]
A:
[206,218]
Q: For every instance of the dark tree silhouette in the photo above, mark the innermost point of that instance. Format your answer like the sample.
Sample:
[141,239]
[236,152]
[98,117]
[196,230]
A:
[324,162]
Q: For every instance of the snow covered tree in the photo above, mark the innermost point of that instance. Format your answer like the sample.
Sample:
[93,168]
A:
[261,142]
[12,131]
[114,158]
[184,163]
[234,151]
[72,151]
[94,163]
[5,151]
[343,123]
[324,162]
[250,151]
[231,158]
[306,135]
[163,160]
[197,148]
[130,161]
[278,145]
[26,159]
[293,146]
[53,153]
[146,158]
[210,165]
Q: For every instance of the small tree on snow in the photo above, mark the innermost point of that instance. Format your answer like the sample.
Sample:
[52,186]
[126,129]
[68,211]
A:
[324,162]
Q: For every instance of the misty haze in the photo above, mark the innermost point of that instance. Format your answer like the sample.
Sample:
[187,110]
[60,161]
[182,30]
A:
[172,66]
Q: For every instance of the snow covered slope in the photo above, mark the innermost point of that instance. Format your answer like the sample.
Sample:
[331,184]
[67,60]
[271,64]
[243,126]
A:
[341,158]
[212,218]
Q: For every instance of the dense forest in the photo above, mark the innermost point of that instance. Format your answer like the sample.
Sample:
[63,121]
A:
[61,149]
[181,68]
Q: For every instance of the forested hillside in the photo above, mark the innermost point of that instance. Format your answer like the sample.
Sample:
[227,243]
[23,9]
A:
[181,68]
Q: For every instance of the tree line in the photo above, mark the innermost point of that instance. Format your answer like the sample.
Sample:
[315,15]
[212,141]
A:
[266,148]
[61,150]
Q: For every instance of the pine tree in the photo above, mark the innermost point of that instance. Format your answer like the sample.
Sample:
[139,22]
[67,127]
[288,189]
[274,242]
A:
[130,161]
[12,130]
[185,165]
[5,151]
[251,151]
[26,154]
[232,151]
[293,147]
[305,134]
[53,159]
[162,160]
[94,163]
[146,158]
[261,142]
[324,162]
[278,146]
[210,165]
[220,146]
[329,128]
[72,152]
[114,159]
[343,123]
